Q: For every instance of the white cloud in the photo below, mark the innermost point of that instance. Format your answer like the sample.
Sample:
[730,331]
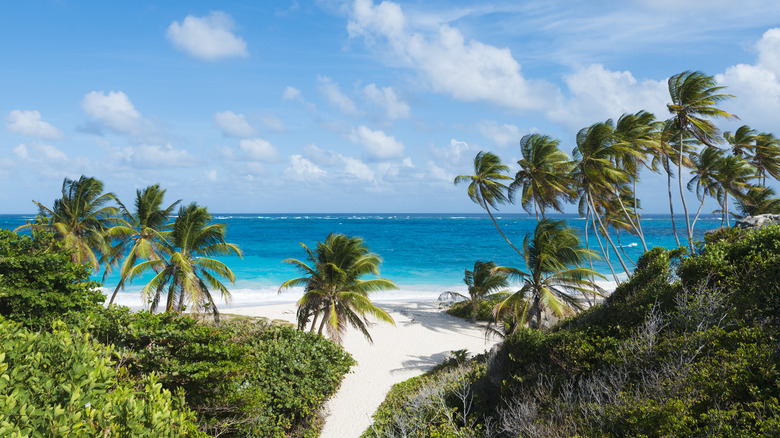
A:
[358,169]
[207,38]
[234,125]
[322,157]
[377,143]
[757,86]
[117,112]
[291,93]
[451,154]
[302,169]
[259,149]
[47,160]
[597,94]
[388,100]
[149,156]
[29,123]
[502,135]
[466,70]
[333,94]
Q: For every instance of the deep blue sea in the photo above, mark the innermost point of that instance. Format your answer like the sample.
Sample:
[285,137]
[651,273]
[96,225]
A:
[425,254]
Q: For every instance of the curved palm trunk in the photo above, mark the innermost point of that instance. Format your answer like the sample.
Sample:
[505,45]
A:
[609,239]
[637,228]
[499,229]
[726,208]
[587,246]
[622,249]
[314,322]
[603,251]
[671,204]
[682,195]
[638,221]
[698,212]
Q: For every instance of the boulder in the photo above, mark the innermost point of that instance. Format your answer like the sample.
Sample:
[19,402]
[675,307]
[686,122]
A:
[758,221]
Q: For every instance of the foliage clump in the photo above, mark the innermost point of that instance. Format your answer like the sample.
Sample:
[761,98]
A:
[687,347]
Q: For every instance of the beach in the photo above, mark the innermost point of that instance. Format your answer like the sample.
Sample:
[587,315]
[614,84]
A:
[423,336]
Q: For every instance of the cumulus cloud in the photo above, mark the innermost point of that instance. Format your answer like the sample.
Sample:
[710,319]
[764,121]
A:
[757,86]
[501,135]
[301,169]
[150,156]
[321,156]
[48,160]
[452,153]
[358,169]
[207,38]
[234,125]
[259,149]
[467,70]
[291,93]
[115,111]
[29,123]
[597,94]
[386,99]
[331,91]
[377,143]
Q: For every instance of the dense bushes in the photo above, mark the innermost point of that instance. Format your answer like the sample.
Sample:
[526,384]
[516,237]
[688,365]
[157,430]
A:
[71,367]
[64,384]
[688,347]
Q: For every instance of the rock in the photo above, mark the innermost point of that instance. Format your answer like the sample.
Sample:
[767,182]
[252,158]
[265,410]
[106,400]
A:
[758,221]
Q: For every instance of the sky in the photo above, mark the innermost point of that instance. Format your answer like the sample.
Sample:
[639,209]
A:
[356,106]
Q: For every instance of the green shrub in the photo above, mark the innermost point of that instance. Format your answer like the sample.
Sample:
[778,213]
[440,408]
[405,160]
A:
[39,285]
[463,309]
[60,383]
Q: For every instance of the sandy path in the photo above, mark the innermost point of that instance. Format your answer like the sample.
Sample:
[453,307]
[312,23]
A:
[422,337]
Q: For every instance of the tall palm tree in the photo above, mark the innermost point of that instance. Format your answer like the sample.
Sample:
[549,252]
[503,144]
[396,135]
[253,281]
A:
[733,177]
[486,187]
[706,165]
[543,175]
[596,174]
[483,282]
[742,142]
[144,239]
[186,272]
[333,288]
[666,155]
[80,219]
[766,157]
[639,132]
[694,96]
[553,276]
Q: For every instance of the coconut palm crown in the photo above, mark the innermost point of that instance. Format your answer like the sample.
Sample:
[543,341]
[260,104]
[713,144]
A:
[334,292]
[483,282]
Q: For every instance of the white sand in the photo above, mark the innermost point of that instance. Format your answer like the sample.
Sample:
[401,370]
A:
[423,337]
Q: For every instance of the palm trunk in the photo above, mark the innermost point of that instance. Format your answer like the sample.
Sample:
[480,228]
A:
[499,229]
[698,212]
[587,246]
[638,221]
[682,194]
[606,256]
[474,314]
[322,324]
[314,322]
[637,228]
[671,204]
[609,239]
[726,208]
[111,302]
[622,249]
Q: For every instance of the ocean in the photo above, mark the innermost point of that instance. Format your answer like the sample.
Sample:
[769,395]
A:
[424,254]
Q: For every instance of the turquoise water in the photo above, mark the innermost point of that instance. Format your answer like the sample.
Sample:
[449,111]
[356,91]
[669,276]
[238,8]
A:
[424,254]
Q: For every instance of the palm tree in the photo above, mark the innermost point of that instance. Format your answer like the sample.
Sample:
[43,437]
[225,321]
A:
[639,132]
[482,283]
[486,187]
[80,219]
[694,96]
[186,272]
[552,259]
[542,178]
[766,157]
[596,174]
[733,177]
[742,141]
[706,166]
[758,200]
[144,239]
[333,288]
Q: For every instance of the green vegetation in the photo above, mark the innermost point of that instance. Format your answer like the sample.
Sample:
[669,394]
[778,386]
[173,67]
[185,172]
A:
[70,367]
[687,347]
[484,283]
[333,288]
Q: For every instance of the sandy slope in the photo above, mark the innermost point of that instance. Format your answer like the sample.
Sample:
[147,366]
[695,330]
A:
[422,337]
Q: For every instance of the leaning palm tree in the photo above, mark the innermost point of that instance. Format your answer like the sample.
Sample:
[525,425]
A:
[543,176]
[766,157]
[80,219]
[145,238]
[706,165]
[694,96]
[333,288]
[483,282]
[186,273]
[742,141]
[486,186]
[553,278]
[758,200]
[733,178]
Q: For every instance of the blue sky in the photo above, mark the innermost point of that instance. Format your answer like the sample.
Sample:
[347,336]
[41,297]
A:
[360,106]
